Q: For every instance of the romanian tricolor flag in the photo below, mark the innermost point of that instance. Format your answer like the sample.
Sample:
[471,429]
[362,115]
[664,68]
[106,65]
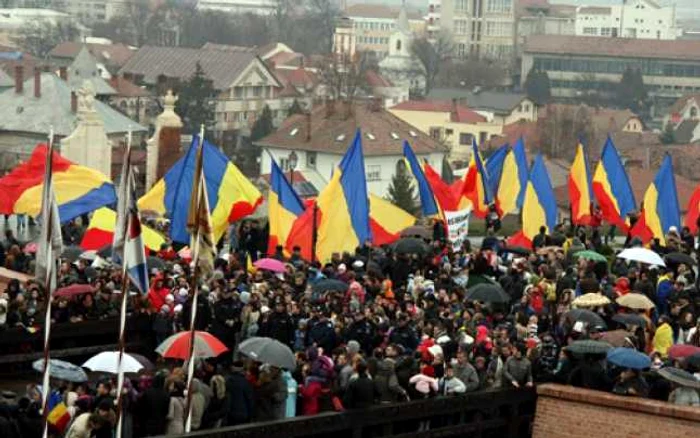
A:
[539,206]
[427,198]
[443,192]
[100,232]
[476,191]
[284,207]
[508,171]
[343,206]
[660,209]
[78,189]
[691,217]
[612,188]
[58,418]
[580,193]
[494,166]
[231,195]
[387,220]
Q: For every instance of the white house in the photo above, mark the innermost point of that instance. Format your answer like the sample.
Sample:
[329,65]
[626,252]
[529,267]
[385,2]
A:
[633,19]
[317,142]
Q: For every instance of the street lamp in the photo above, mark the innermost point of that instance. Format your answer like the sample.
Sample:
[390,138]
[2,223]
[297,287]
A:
[292,162]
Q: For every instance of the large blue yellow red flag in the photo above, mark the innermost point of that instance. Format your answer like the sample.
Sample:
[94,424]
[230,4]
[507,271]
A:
[511,170]
[231,195]
[476,191]
[661,209]
[78,189]
[428,204]
[539,205]
[283,205]
[580,193]
[494,166]
[693,211]
[612,188]
[443,192]
[343,206]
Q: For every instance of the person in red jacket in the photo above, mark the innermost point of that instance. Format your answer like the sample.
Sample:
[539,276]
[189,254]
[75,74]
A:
[157,293]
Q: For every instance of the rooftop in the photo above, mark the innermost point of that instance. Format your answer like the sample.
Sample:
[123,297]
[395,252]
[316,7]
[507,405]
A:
[499,102]
[613,47]
[595,10]
[84,68]
[334,125]
[108,54]
[458,113]
[379,11]
[126,88]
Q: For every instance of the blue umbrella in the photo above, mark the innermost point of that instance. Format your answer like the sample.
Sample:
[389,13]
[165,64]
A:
[62,370]
[628,358]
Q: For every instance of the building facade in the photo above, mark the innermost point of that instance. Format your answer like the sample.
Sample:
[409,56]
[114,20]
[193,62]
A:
[260,7]
[542,18]
[632,19]
[480,28]
[95,11]
[400,66]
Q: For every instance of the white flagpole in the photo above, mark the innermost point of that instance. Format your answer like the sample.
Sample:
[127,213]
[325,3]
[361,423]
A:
[47,221]
[193,307]
[125,288]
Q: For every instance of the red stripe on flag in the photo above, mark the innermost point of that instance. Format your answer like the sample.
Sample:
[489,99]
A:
[95,239]
[607,207]
[691,218]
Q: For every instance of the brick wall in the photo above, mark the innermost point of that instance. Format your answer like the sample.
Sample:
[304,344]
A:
[565,411]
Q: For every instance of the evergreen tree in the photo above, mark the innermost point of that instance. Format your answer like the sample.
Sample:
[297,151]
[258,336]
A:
[195,103]
[538,87]
[263,125]
[295,108]
[402,193]
[669,134]
[631,92]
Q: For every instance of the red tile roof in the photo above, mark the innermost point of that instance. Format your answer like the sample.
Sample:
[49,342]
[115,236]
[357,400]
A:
[458,113]
[613,47]
[111,54]
[334,125]
[126,88]
[682,102]
[375,79]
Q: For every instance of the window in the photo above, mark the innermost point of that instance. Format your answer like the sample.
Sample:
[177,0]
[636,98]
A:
[435,133]
[311,160]
[693,112]
[590,31]
[461,50]
[483,136]
[398,45]
[238,92]
[284,164]
[461,6]
[374,172]
[460,27]
[465,138]
[449,131]
[257,91]
[605,31]
[401,167]
[527,107]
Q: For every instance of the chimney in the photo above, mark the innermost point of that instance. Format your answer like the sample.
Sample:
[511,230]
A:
[73,102]
[308,126]
[330,108]
[63,73]
[37,82]
[19,79]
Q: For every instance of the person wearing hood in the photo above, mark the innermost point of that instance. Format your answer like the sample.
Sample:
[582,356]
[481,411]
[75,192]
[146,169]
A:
[361,392]
[663,337]
[386,381]
[240,396]
[152,408]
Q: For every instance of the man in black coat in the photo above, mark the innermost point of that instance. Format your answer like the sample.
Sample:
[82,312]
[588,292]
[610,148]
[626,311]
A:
[322,334]
[362,392]
[152,408]
[279,325]
[362,331]
[227,312]
[240,397]
[404,335]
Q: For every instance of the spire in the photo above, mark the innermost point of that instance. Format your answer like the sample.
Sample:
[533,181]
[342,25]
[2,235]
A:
[402,21]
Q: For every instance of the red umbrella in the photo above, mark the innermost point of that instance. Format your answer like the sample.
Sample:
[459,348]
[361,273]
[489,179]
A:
[681,350]
[73,290]
[177,346]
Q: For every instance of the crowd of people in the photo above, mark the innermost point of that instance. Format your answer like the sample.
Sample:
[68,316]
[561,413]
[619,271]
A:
[380,325]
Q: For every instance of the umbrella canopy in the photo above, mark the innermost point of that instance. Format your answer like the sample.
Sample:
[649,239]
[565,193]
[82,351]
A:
[62,370]
[89,255]
[487,293]
[105,252]
[680,377]
[593,299]
[693,361]
[583,315]
[519,250]
[108,361]
[410,245]
[417,231]
[71,253]
[680,257]
[74,290]
[617,338]
[177,346]
[679,351]
[590,255]
[589,347]
[547,249]
[330,285]
[268,264]
[268,350]
[155,263]
[630,319]
[642,255]
[628,358]
[636,301]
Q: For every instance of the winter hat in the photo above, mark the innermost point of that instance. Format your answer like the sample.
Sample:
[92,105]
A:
[169,299]
[178,308]
[358,264]
[183,292]
[353,347]
[164,308]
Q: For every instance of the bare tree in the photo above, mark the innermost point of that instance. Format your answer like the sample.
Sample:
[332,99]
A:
[39,37]
[344,77]
[470,74]
[432,56]
[561,128]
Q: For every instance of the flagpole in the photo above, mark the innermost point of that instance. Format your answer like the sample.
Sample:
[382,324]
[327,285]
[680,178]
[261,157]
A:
[125,293]
[193,306]
[47,222]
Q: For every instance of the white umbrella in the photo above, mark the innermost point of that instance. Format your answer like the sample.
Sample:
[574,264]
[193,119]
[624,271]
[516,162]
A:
[108,361]
[642,255]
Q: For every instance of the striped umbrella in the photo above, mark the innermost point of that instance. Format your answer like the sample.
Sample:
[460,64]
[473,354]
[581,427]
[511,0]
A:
[177,346]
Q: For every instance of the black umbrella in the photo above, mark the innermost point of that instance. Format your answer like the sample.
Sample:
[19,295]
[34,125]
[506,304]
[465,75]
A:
[155,263]
[487,293]
[105,252]
[680,257]
[583,315]
[519,250]
[630,319]
[330,285]
[72,253]
[680,377]
[417,231]
[410,245]
[693,361]
[588,347]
